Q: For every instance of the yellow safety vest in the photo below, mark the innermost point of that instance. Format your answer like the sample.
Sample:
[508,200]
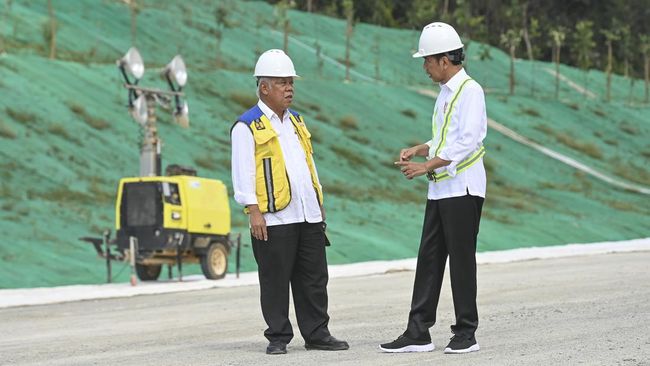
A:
[271,180]
[470,160]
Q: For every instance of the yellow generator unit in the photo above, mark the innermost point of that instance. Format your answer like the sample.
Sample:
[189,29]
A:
[175,219]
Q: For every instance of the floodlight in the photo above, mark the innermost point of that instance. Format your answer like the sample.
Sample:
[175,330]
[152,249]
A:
[181,115]
[176,71]
[139,110]
[132,62]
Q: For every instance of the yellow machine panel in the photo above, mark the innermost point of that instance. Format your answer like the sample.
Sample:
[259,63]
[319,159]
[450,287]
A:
[198,205]
[209,209]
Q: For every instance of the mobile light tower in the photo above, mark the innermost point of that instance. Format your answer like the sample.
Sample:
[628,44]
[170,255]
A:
[171,219]
[142,103]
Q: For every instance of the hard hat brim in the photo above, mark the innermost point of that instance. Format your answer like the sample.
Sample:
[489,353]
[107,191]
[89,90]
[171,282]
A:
[277,76]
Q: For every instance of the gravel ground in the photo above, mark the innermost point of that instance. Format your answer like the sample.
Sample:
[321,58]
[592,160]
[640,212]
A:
[592,310]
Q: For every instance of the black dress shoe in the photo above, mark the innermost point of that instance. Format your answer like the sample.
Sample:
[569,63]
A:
[328,343]
[276,348]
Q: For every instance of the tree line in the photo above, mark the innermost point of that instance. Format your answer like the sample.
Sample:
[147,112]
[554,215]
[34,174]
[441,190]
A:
[610,35]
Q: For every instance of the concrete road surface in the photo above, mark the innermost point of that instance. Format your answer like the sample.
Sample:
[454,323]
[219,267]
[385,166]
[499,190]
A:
[591,310]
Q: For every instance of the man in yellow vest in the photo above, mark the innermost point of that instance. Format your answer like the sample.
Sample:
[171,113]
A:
[457,184]
[275,178]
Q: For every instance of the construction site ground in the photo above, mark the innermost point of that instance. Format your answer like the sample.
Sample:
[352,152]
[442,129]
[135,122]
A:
[578,310]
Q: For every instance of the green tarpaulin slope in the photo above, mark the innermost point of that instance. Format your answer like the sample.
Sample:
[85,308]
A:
[66,137]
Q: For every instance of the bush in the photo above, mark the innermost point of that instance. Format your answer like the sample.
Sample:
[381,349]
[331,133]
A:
[244,100]
[323,118]
[6,131]
[531,112]
[360,139]
[59,130]
[348,122]
[94,122]
[22,117]
[205,162]
[409,113]
[545,129]
[600,113]
[584,147]
[353,158]
[628,128]
[564,138]
[574,106]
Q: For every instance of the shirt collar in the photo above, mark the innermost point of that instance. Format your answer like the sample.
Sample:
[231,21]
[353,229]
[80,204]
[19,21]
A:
[268,112]
[455,80]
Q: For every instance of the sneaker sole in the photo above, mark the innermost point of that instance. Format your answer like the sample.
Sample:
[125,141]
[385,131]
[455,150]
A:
[472,348]
[326,348]
[412,348]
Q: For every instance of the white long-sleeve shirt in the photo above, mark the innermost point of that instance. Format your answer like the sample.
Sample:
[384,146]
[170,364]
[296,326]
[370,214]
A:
[304,204]
[465,134]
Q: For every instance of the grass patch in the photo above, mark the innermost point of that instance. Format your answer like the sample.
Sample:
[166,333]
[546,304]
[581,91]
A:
[244,100]
[505,195]
[360,139]
[560,186]
[306,105]
[323,118]
[409,113]
[315,134]
[545,129]
[600,113]
[92,121]
[587,148]
[490,165]
[488,214]
[63,195]
[205,162]
[530,111]
[58,129]
[623,206]
[6,131]
[19,116]
[388,193]
[628,128]
[342,61]
[348,122]
[353,158]
[206,90]
[564,138]
[632,172]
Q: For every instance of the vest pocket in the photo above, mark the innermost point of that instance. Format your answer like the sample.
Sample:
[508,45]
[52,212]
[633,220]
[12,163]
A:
[268,181]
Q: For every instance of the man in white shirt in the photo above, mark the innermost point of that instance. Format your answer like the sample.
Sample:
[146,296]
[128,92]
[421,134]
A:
[275,178]
[457,185]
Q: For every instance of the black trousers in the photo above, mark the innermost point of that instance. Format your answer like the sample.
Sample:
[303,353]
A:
[294,254]
[450,230]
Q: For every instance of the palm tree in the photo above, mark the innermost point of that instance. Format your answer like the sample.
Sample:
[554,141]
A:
[610,38]
[644,41]
[511,39]
[557,35]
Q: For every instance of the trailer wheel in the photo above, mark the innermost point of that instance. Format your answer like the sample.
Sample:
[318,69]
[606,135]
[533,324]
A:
[148,272]
[214,263]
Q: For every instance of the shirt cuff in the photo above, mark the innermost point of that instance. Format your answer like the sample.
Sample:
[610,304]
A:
[451,168]
[245,199]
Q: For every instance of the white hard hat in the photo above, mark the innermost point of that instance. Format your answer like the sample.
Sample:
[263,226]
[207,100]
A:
[438,38]
[274,63]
